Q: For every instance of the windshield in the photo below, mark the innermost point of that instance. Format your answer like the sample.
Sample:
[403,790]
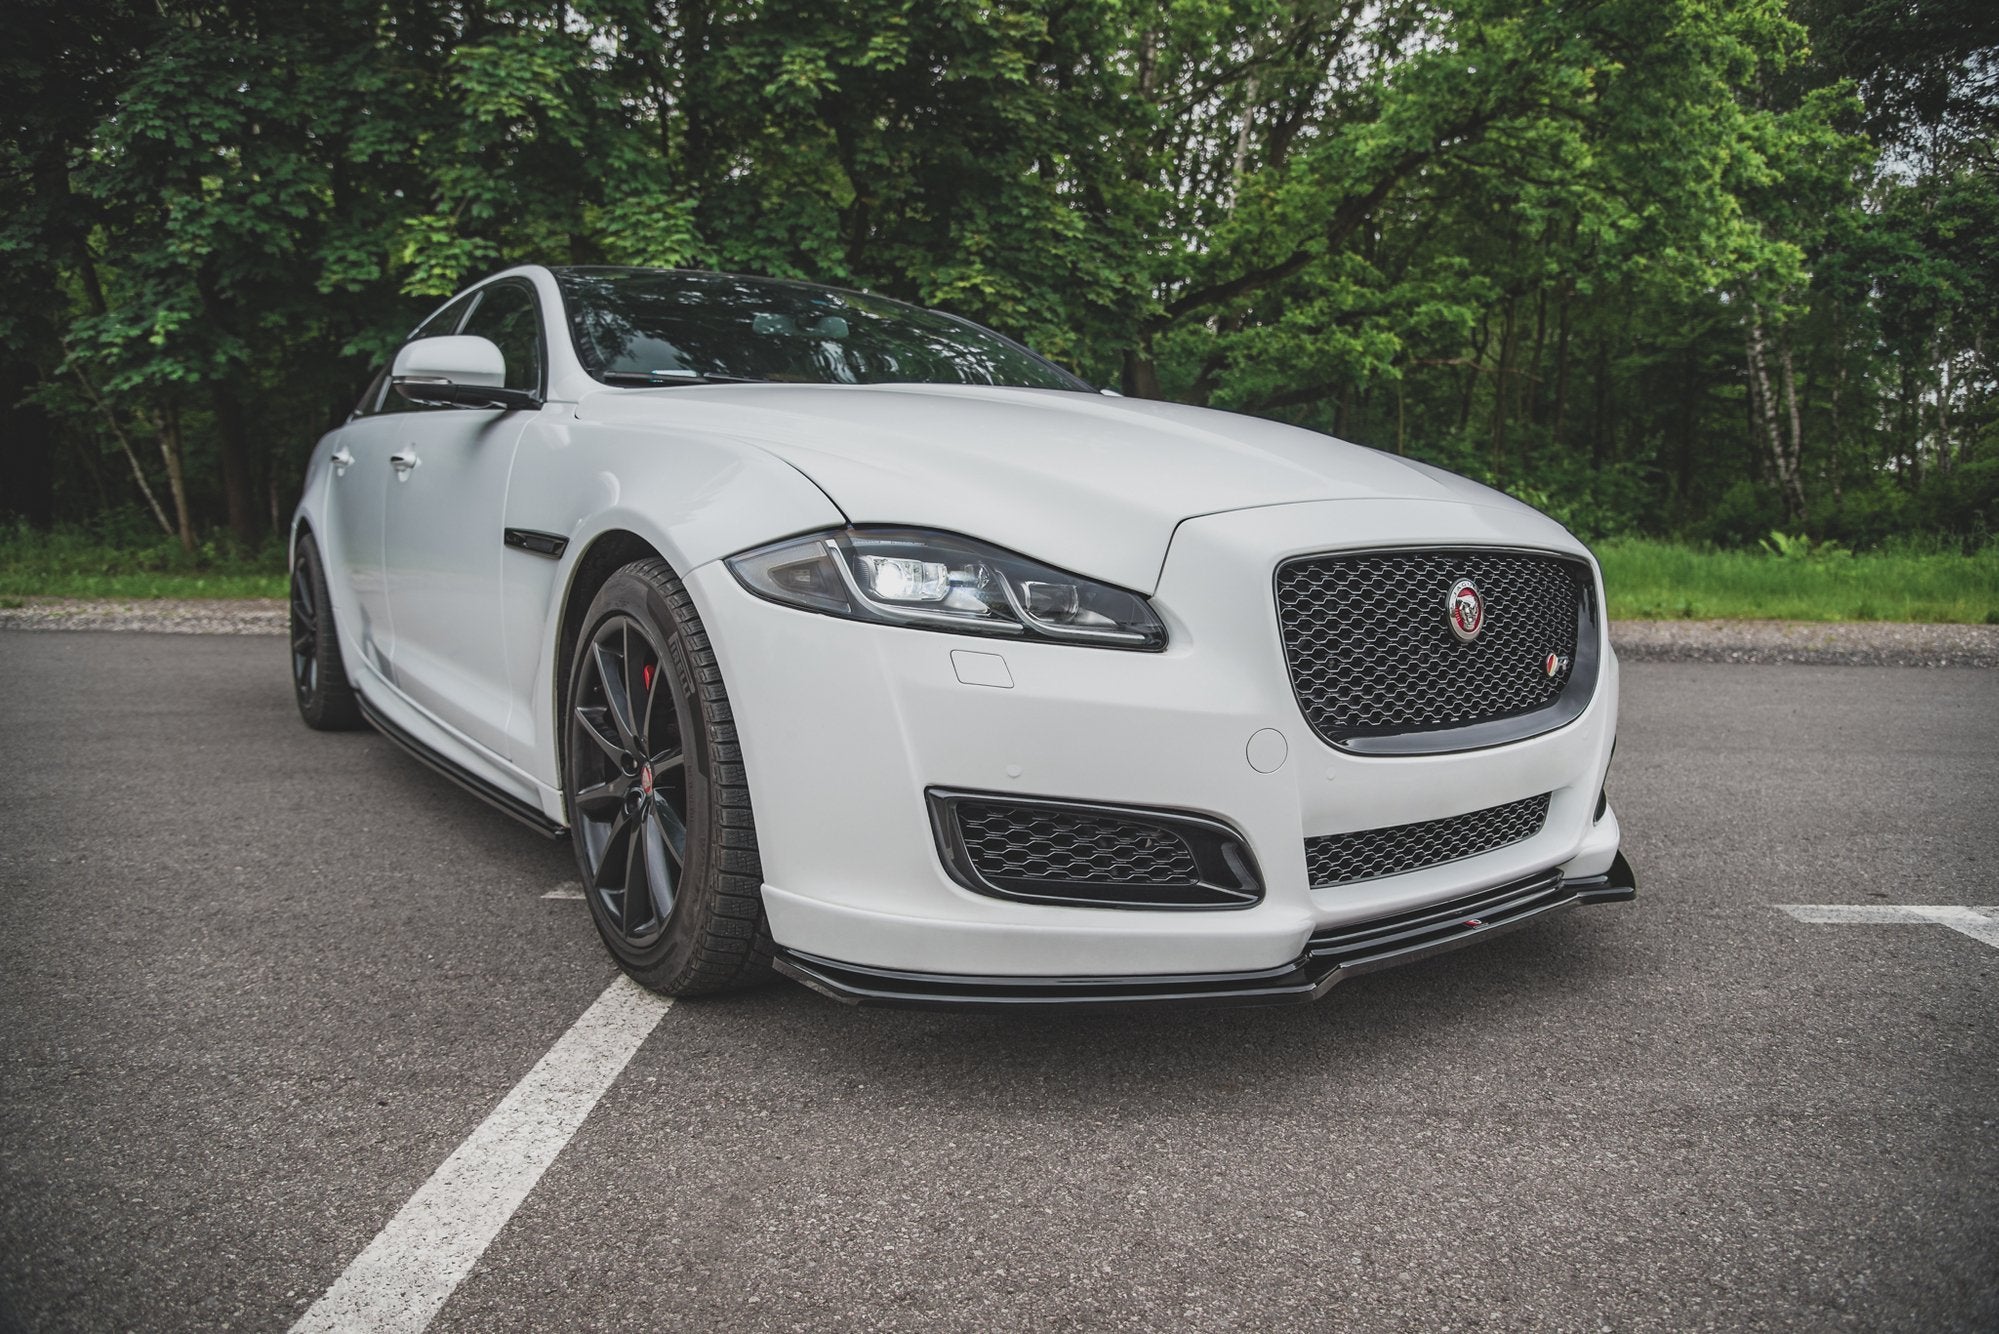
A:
[638,325]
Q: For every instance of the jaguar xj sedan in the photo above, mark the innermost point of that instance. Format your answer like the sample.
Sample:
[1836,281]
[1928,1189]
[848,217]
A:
[857,642]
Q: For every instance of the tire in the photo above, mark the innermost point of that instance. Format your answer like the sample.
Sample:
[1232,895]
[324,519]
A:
[319,677]
[658,802]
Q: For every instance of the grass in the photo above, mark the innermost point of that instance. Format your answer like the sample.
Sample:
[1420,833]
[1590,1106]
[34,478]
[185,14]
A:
[70,563]
[1654,581]
[1646,580]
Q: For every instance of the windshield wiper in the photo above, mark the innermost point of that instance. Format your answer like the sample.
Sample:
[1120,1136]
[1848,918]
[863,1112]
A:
[662,379]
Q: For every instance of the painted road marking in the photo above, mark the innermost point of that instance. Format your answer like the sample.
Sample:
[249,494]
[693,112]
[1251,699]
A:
[563,892]
[404,1276]
[1980,924]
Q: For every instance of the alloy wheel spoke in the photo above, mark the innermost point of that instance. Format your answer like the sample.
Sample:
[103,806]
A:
[659,873]
[638,691]
[595,730]
[614,860]
[671,829]
[667,761]
[600,798]
[636,908]
[617,698]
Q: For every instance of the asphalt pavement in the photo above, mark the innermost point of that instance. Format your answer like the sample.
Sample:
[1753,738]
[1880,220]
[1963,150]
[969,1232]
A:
[257,983]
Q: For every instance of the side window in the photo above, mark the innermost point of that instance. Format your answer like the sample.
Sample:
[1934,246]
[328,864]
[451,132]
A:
[446,321]
[506,314]
[371,398]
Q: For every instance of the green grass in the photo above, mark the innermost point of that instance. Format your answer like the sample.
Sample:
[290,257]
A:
[71,564]
[1646,580]
[1655,581]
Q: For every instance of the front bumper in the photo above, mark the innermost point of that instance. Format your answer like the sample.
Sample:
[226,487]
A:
[845,727]
[1329,957]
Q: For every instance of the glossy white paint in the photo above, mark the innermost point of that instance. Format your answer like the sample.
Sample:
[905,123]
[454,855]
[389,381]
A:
[459,358]
[454,638]
[1089,484]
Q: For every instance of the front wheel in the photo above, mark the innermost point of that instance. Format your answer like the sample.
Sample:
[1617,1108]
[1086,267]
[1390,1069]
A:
[319,676]
[659,806]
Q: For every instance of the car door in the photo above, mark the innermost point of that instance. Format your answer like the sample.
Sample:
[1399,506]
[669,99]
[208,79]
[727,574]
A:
[442,542]
[357,498]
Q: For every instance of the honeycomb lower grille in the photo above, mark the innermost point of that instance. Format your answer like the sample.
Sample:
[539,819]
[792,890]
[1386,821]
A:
[1055,851]
[1369,643]
[1042,843]
[1368,854]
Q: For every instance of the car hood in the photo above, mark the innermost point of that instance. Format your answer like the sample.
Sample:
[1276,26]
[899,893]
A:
[1087,482]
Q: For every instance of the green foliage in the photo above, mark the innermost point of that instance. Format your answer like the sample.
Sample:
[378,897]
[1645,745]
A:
[1797,546]
[1540,241]
[1647,580]
[117,558]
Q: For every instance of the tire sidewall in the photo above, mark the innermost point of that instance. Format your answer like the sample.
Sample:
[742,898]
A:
[673,956]
[315,705]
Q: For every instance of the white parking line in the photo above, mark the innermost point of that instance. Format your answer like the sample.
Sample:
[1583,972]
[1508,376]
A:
[1978,923]
[404,1276]
[563,892]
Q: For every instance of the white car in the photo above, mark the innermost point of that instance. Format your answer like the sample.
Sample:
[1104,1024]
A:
[855,640]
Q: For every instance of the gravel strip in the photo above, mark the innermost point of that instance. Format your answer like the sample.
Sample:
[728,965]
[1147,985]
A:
[1842,643]
[1859,643]
[212,616]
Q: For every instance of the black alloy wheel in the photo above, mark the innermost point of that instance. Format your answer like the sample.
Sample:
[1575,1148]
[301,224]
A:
[627,740]
[659,805]
[319,677]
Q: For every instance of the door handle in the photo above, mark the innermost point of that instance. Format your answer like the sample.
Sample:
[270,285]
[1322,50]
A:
[341,461]
[403,461]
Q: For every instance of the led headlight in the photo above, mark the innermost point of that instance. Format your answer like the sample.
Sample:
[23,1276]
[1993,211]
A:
[905,576]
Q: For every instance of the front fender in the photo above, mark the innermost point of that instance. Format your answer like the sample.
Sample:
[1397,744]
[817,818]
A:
[693,498]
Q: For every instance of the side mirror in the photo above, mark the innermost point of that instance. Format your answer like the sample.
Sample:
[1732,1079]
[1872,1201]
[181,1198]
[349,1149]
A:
[457,371]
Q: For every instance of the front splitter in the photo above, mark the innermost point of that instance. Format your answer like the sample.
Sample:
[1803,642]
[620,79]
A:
[1329,956]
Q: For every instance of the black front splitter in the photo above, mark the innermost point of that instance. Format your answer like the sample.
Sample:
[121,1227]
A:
[1329,956]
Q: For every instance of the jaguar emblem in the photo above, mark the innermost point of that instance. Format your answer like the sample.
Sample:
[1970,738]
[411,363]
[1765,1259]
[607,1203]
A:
[1467,610]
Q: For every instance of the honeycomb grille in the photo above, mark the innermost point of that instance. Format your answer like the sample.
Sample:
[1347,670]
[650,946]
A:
[1341,859]
[1370,647]
[1028,843]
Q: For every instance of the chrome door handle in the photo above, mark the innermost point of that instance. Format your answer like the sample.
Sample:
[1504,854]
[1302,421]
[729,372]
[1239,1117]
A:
[341,461]
[403,462]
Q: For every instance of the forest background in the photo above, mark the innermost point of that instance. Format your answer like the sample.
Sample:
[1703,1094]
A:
[1719,274]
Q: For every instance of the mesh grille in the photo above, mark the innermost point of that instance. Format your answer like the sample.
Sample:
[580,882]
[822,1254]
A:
[1340,859]
[1028,843]
[1371,649]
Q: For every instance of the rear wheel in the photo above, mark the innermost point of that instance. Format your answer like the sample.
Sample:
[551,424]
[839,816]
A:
[659,807]
[319,677]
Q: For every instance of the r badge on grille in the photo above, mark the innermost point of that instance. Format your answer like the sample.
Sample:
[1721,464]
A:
[1467,610]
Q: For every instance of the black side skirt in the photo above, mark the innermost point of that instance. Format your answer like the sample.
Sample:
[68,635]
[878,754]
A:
[1329,956]
[506,802]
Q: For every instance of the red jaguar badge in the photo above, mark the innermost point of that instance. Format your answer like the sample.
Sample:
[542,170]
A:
[1467,610]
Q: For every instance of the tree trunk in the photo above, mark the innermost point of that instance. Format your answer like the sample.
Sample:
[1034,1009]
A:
[1797,460]
[1561,372]
[124,443]
[1506,341]
[233,443]
[1838,390]
[1141,374]
[1398,415]
[1600,427]
[169,431]
[1783,467]
[1472,364]
[1943,419]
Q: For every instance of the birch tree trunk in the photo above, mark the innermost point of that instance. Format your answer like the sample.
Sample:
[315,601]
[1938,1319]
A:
[169,433]
[1797,459]
[1782,466]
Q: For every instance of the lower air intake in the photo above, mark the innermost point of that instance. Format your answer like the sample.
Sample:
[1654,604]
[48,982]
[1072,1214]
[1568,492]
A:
[1053,851]
[1369,854]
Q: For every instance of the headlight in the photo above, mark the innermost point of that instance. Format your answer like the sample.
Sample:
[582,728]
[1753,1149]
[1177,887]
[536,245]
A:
[939,581]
